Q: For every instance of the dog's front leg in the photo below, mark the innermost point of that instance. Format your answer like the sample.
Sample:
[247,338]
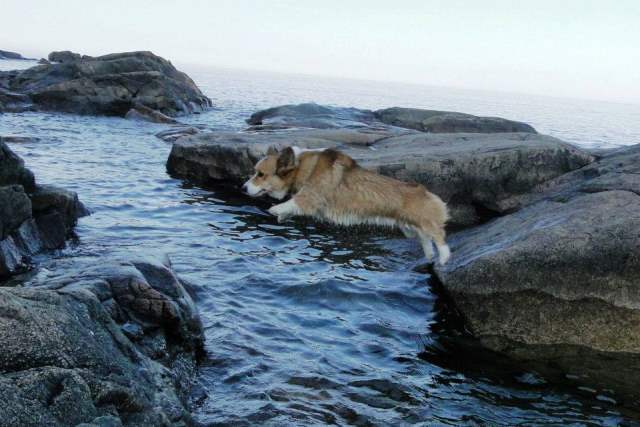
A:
[285,210]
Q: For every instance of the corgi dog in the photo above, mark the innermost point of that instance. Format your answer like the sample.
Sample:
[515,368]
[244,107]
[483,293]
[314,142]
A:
[329,185]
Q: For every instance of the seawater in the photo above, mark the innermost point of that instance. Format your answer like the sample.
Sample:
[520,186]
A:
[308,324]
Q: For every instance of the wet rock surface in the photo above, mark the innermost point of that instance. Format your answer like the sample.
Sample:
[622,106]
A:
[68,357]
[105,85]
[32,217]
[560,277]
[476,173]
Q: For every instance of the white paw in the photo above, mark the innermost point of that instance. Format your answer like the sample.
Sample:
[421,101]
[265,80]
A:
[278,212]
[444,254]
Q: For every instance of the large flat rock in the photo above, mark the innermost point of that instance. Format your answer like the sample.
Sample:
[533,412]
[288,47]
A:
[476,173]
[105,85]
[562,274]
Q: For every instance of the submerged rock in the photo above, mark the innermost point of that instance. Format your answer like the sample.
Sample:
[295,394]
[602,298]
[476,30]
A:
[147,114]
[478,174]
[16,139]
[66,360]
[32,217]
[106,85]
[560,277]
[176,132]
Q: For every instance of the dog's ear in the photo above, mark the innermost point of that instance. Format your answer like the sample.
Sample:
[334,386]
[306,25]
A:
[272,150]
[286,162]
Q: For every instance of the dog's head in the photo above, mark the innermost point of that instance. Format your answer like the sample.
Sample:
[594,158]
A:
[273,175]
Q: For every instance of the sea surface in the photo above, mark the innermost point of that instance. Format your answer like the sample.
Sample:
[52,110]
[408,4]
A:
[308,324]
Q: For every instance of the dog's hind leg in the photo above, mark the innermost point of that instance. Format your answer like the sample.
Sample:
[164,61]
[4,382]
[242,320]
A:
[437,236]
[427,244]
[443,249]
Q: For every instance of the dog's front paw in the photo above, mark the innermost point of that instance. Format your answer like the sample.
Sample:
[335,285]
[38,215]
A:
[278,213]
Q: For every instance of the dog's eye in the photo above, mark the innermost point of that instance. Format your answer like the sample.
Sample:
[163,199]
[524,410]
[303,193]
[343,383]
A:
[259,174]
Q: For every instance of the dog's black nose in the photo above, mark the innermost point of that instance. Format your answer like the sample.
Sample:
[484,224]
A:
[244,187]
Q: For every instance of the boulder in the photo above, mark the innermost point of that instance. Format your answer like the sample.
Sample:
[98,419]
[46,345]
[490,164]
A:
[560,278]
[67,360]
[478,174]
[106,85]
[434,121]
[32,217]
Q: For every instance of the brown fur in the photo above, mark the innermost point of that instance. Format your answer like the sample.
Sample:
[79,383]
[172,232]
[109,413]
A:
[330,185]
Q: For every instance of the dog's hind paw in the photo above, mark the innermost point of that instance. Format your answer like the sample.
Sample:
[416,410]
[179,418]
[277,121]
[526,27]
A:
[444,253]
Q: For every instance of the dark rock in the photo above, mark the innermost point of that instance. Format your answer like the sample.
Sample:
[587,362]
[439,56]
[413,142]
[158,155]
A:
[64,56]
[448,122]
[107,85]
[32,217]
[43,61]
[146,114]
[65,360]
[12,170]
[48,198]
[478,174]
[561,276]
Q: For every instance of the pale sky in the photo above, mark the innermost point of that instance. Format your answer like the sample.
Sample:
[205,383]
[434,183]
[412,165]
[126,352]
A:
[584,49]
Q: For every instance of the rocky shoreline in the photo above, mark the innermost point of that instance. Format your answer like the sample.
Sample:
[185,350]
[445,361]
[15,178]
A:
[102,346]
[106,344]
[546,265]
